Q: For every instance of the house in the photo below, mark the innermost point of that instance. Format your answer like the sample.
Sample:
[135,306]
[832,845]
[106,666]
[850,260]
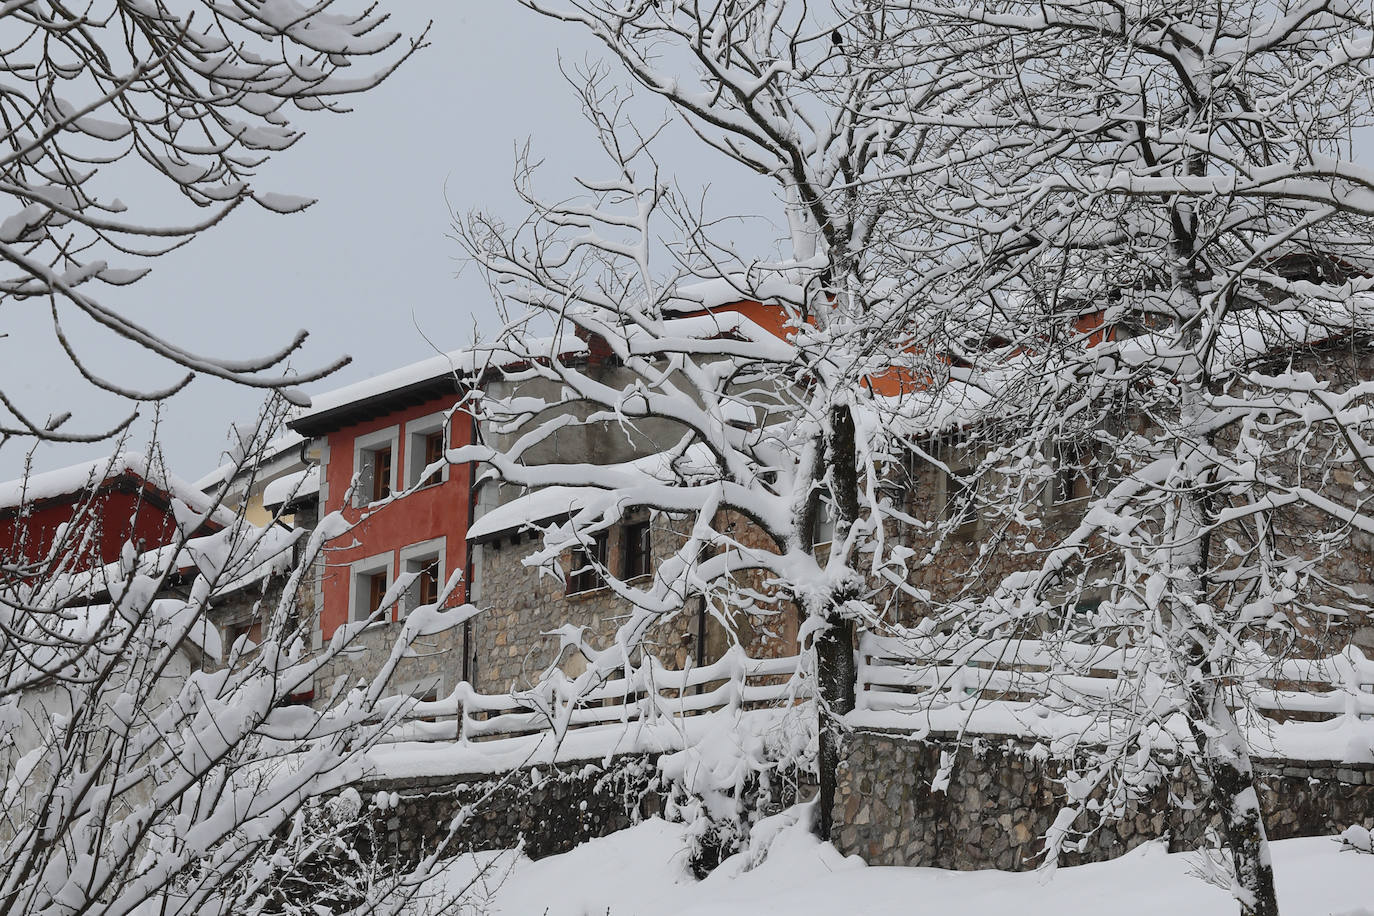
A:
[377,439]
[373,440]
[63,535]
[77,519]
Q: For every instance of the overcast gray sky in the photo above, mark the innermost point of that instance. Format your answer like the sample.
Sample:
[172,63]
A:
[369,269]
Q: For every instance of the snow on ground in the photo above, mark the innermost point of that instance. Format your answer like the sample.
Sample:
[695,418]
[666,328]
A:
[642,872]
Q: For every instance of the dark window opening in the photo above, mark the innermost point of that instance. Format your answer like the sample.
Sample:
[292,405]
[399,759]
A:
[1076,473]
[427,584]
[586,564]
[381,473]
[434,451]
[376,591]
[243,629]
[638,560]
[961,498]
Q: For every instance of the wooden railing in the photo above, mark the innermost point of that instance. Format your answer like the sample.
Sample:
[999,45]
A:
[650,692]
[904,674]
[911,674]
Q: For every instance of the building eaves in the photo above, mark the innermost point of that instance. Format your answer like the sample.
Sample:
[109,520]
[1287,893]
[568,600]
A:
[371,406]
[407,386]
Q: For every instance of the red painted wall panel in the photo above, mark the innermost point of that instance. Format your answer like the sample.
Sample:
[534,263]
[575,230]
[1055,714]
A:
[437,511]
[113,517]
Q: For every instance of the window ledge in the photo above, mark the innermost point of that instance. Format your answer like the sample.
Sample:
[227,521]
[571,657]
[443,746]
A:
[588,593]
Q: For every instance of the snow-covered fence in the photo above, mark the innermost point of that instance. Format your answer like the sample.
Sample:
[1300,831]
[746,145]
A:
[911,674]
[897,674]
[650,691]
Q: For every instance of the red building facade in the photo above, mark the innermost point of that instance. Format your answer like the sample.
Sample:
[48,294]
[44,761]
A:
[425,534]
[376,440]
[79,518]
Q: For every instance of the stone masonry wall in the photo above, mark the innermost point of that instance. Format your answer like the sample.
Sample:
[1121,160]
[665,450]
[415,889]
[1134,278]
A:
[970,560]
[432,669]
[521,604]
[1001,799]
[543,810]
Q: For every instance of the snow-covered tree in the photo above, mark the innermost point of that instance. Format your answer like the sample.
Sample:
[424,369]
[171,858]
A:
[110,105]
[763,423]
[1152,288]
[1091,254]
[148,768]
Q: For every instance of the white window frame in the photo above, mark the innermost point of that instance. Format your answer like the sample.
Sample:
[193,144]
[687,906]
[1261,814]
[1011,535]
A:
[368,567]
[364,446]
[434,548]
[416,431]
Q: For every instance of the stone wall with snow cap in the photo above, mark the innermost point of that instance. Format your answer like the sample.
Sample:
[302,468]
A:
[988,803]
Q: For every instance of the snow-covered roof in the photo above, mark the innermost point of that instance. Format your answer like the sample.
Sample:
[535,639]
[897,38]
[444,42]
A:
[89,475]
[722,291]
[529,508]
[453,364]
[556,500]
[262,551]
[79,626]
[767,289]
[302,483]
[285,442]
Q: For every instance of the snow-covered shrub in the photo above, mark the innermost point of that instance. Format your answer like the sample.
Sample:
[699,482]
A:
[736,776]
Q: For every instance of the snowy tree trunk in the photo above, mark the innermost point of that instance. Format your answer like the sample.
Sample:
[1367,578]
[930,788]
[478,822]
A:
[1230,785]
[836,668]
[836,673]
[1229,777]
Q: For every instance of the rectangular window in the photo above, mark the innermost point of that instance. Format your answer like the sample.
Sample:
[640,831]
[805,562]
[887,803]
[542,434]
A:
[434,451]
[825,524]
[369,580]
[249,629]
[374,463]
[424,589]
[961,498]
[376,591]
[424,562]
[584,568]
[900,478]
[427,585]
[426,439]
[637,559]
[380,460]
